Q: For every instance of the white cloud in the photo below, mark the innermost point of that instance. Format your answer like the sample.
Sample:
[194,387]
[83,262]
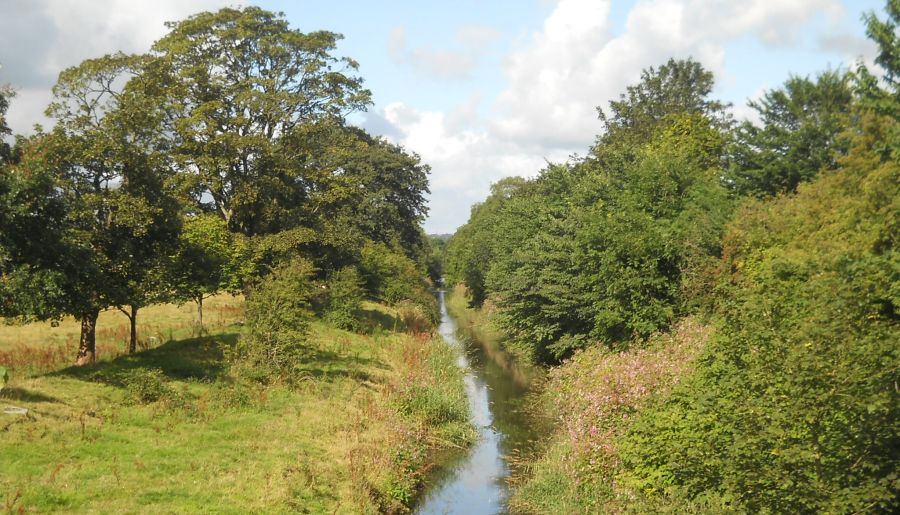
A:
[563,72]
[40,38]
[477,36]
[852,47]
[573,65]
[444,63]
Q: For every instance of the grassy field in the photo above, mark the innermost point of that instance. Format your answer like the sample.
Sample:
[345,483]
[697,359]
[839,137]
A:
[45,346]
[172,430]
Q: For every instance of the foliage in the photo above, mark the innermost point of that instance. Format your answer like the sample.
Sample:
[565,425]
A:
[148,385]
[235,83]
[470,252]
[6,93]
[595,397]
[394,278]
[273,345]
[804,414]
[345,296]
[798,137]
[209,259]
[614,246]
[676,87]
[437,249]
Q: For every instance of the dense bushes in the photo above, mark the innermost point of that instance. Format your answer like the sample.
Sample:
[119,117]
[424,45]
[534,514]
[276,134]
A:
[804,416]
[278,316]
[345,295]
[392,277]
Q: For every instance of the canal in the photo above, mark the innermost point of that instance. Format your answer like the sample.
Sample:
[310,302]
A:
[476,483]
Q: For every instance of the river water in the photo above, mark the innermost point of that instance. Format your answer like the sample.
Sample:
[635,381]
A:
[476,482]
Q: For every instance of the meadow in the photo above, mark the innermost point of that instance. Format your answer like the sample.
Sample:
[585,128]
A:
[172,429]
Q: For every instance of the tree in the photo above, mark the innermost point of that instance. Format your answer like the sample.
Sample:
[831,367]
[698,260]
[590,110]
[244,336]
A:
[471,251]
[236,82]
[5,94]
[676,87]
[209,259]
[40,261]
[883,96]
[104,151]
[350,187]
[798,137]
[884,34]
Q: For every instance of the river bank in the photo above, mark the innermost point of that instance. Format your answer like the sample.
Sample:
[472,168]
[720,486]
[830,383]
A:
[169,430]
[575,413]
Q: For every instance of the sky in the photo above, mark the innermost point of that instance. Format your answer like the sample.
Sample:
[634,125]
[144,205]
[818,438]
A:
[479,89]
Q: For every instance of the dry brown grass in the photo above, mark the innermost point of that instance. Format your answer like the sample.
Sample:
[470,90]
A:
[45,346]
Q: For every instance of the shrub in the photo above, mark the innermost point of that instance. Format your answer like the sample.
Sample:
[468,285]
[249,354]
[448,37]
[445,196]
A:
[345,293]
[389,275]
[146,386]
[278,317]
[793,408]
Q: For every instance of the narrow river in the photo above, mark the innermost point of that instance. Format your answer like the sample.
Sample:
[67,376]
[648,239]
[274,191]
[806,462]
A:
[476,482]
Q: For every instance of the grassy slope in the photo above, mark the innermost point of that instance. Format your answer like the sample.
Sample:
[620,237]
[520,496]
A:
[355,437]
[594,397]
[590,401]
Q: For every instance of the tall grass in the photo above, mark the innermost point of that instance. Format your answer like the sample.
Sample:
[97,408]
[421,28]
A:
[47,346]
[593,397]
[173,430]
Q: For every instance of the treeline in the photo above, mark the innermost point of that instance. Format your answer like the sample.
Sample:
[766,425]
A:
[781,233]
[201,166]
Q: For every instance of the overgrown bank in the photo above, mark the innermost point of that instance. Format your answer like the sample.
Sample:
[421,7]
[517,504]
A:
[173,429]
[720,299]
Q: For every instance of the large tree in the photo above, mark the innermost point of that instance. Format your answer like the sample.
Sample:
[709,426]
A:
[677,87]
[797,136]
[106,154]
[236,82]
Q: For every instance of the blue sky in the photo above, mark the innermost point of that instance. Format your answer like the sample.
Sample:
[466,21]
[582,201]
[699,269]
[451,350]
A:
[480,89]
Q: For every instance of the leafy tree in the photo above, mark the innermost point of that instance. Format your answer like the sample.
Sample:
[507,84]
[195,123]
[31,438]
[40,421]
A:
[614,246]
[107,174]
[471,251]
[883,96]
[794,406]
[884,33]
[37,251]
[676,87]
[209,259]
[798,136]
[238,81]
[352,187]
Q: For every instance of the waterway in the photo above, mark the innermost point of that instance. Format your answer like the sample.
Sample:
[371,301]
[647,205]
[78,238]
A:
[476,483]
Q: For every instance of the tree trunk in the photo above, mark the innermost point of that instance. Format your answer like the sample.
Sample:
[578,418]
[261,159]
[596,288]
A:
[200,314]
[132,344]
[87,347]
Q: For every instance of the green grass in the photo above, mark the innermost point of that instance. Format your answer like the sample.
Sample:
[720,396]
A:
[348,439]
